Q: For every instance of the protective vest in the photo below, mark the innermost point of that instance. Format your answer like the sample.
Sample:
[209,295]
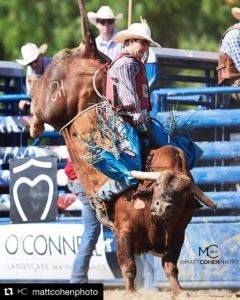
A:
[227,71]
[141,86]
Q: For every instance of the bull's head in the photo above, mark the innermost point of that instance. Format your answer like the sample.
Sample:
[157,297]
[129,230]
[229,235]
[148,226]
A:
[172,190]
[66,87]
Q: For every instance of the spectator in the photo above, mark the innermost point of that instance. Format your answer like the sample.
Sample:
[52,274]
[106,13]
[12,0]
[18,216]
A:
[91,229]
[229,59]
[36,63]
[105,21]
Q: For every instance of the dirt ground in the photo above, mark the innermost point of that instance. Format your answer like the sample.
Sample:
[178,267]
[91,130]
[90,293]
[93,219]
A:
[213,294]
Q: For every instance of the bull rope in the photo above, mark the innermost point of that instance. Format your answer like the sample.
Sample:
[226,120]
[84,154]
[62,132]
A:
[78,115]
[94,82]
[103,109]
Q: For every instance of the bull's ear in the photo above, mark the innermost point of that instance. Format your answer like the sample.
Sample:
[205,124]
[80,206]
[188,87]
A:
[203,198]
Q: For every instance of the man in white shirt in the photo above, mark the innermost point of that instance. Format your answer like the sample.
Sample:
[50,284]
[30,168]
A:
[105,20]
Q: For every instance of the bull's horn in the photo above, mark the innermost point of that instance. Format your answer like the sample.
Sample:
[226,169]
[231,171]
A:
[145,175]
[203,197]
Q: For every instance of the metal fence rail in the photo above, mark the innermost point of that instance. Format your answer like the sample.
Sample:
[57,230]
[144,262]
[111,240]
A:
[201,119]
[201,229]
[13,97]
[160,97]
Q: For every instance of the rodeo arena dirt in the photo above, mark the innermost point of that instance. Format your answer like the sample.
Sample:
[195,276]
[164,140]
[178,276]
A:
[175,233]
[211,294]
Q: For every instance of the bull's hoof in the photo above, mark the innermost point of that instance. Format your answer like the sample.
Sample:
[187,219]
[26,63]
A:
[183,295]
[132,293]
[35,131]
[36,126]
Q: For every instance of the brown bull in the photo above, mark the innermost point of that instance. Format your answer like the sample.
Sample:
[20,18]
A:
[169,193]
[64,97]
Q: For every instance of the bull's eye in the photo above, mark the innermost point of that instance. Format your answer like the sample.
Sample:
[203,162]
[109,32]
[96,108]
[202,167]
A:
[157,203]
[54,85]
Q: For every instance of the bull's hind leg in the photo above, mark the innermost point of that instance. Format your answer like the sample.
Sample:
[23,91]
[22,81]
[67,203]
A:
[125,255]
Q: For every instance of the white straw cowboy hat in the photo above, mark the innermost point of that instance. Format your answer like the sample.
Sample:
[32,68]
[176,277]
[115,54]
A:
[30,52]
[135,31]
[236,13]
[104,13]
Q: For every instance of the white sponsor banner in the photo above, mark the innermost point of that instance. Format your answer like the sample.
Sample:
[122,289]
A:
[45,251]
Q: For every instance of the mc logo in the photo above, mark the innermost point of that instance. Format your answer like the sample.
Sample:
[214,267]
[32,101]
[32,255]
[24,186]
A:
[210,251]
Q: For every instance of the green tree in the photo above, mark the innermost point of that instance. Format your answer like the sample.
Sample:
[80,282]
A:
[188,24]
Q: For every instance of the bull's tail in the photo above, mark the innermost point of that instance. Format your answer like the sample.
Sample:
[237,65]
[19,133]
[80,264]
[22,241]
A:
[87,35]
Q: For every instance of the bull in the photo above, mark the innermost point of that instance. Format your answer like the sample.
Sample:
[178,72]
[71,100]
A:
[66,97]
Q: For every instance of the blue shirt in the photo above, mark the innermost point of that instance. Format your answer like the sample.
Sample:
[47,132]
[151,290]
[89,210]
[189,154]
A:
[30,71]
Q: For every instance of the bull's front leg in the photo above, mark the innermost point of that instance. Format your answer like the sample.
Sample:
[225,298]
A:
[36,126]
[169,262]
[171,271]
[125,255]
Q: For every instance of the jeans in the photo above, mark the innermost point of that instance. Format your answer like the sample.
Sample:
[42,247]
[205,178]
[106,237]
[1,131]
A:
[89,239]
[160,137]
[111,188]
[118,170]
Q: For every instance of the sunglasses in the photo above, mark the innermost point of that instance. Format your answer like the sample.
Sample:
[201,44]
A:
[105,21]
[145,43]
[34,62]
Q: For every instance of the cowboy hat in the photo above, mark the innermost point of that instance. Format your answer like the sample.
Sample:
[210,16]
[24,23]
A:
[135,31]
[104,13]
[236,13]
[30,52]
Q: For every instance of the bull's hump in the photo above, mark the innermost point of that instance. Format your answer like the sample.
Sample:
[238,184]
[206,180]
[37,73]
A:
[65,53]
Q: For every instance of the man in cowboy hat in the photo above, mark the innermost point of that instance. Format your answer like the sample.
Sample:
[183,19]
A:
[32,57]
[229,59]
[127,91]
[105,20]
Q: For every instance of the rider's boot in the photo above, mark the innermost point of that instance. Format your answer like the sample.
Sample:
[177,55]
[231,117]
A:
[101,211]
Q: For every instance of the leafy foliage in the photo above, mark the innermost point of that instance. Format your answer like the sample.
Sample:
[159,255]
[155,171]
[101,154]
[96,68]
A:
[189,24]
